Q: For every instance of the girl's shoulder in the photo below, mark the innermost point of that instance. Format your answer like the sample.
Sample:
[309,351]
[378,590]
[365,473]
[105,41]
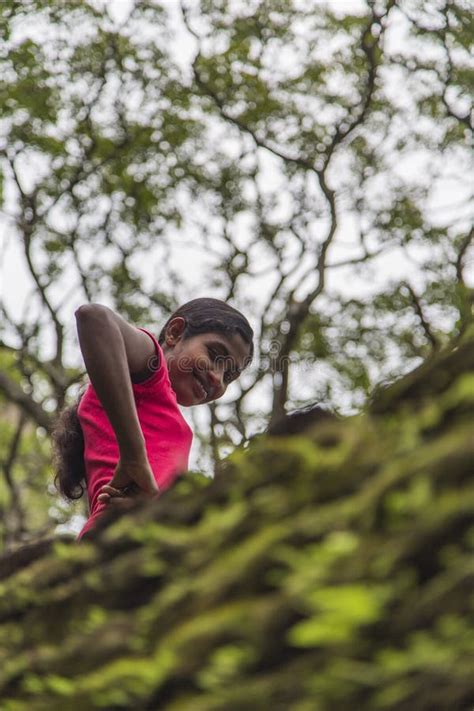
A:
[156,373]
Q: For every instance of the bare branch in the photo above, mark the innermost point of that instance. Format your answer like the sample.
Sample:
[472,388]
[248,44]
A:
[420,313]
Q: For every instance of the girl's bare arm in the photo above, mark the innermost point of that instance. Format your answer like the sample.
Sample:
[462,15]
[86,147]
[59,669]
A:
[115,352]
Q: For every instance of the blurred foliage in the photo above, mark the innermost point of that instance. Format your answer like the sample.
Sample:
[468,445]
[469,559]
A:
[313,159]
[324,571]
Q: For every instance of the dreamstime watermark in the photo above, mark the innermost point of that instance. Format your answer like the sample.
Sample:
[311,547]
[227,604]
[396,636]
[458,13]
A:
[269,361]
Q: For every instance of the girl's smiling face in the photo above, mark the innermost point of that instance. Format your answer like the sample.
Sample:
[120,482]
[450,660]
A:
[201,367]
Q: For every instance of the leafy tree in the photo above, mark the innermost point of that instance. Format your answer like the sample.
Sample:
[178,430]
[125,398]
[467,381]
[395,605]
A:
[314,158]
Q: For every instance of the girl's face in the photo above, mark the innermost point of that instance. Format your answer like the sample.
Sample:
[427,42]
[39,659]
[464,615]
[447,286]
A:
[201,367]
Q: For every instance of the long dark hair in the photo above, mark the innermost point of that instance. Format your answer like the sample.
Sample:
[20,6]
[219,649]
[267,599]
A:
[68,454]
[202,316]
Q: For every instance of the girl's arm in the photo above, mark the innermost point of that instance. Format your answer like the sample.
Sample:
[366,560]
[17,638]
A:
[115,352]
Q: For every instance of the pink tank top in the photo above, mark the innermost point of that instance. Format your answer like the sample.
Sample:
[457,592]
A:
[168,436]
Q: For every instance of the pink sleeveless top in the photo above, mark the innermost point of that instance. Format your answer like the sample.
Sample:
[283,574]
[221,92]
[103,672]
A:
[168,436]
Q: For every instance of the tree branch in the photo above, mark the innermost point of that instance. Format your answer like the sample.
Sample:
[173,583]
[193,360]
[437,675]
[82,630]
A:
[15,494]
[423,320]
[462,254]
[14,393]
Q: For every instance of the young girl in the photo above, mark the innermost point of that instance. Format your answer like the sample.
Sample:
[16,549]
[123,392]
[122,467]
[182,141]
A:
[127,437]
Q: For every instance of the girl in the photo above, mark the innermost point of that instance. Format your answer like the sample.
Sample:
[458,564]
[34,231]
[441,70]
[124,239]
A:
[127,437]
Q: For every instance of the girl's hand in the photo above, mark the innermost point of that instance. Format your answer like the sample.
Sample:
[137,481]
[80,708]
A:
[132,479]
[137,472]
[115,498]
[121,498]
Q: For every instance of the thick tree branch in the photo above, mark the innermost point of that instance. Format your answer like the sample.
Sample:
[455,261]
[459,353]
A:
[15,494]
[14,393]
[56,375]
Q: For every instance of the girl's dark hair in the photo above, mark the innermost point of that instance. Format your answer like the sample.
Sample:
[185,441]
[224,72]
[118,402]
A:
[207,315]
[201,316]
[68,454]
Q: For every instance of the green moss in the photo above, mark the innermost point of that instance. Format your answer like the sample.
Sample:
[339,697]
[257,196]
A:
[319,572]
[340,611]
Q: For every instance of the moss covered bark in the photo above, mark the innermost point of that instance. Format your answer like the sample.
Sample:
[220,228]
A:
[324,571]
